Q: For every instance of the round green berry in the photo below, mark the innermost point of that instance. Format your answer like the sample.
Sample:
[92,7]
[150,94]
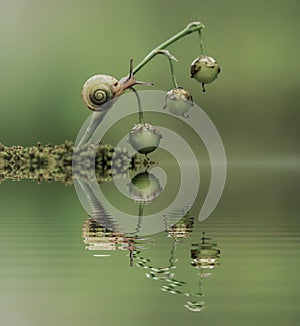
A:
[144,187]
[178,101]
[205,69]
[144,138]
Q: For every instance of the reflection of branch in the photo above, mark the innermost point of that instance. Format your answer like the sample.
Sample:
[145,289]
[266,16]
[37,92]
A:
[98,214]
[172,255]
[204,256]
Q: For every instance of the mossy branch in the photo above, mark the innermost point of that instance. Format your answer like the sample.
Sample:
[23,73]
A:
[58,163]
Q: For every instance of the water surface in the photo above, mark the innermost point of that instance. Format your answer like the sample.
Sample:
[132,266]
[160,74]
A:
[48,277]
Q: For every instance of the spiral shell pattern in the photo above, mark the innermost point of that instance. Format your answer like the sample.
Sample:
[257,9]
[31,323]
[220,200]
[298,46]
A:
[98,90]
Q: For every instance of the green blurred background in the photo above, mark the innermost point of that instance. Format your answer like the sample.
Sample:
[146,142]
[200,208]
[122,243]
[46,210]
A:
[48,50]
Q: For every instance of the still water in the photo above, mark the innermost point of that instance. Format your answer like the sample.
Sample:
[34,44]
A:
[248,274]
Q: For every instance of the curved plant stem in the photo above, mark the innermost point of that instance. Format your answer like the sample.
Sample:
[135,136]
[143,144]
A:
[141,210]
[172,254]
[172,73]
[200,42]
[141,115]
[190,28]
[96,119]
[171,58]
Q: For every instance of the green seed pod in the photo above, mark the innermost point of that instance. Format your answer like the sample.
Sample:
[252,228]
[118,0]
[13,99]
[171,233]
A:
[178,101]
[144,187]
[205,70]
[144,138]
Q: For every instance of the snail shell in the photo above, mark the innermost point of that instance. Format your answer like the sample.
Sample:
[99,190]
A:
[98,90]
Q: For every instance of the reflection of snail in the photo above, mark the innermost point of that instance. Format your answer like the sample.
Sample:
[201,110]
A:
[102,232]
[98,238]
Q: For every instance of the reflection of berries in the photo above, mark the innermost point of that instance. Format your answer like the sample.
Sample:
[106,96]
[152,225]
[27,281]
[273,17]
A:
[205,70]
[180,229]
[205,255]
[178,101]
[144,187]
[144,138]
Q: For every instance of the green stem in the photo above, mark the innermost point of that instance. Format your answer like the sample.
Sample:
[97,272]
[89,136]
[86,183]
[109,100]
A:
[190,28]
[172,73]
[140,217]
[170,58]
[141,210]
[96,119]
[172,254]
[141,115]
[201,42]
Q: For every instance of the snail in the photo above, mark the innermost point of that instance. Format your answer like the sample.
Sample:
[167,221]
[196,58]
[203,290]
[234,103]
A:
[99,94]
[205,70]
[101,89]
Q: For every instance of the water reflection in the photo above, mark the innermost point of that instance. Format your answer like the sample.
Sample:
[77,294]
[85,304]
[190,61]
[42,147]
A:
[203,259]
[204,256]
[101,232]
